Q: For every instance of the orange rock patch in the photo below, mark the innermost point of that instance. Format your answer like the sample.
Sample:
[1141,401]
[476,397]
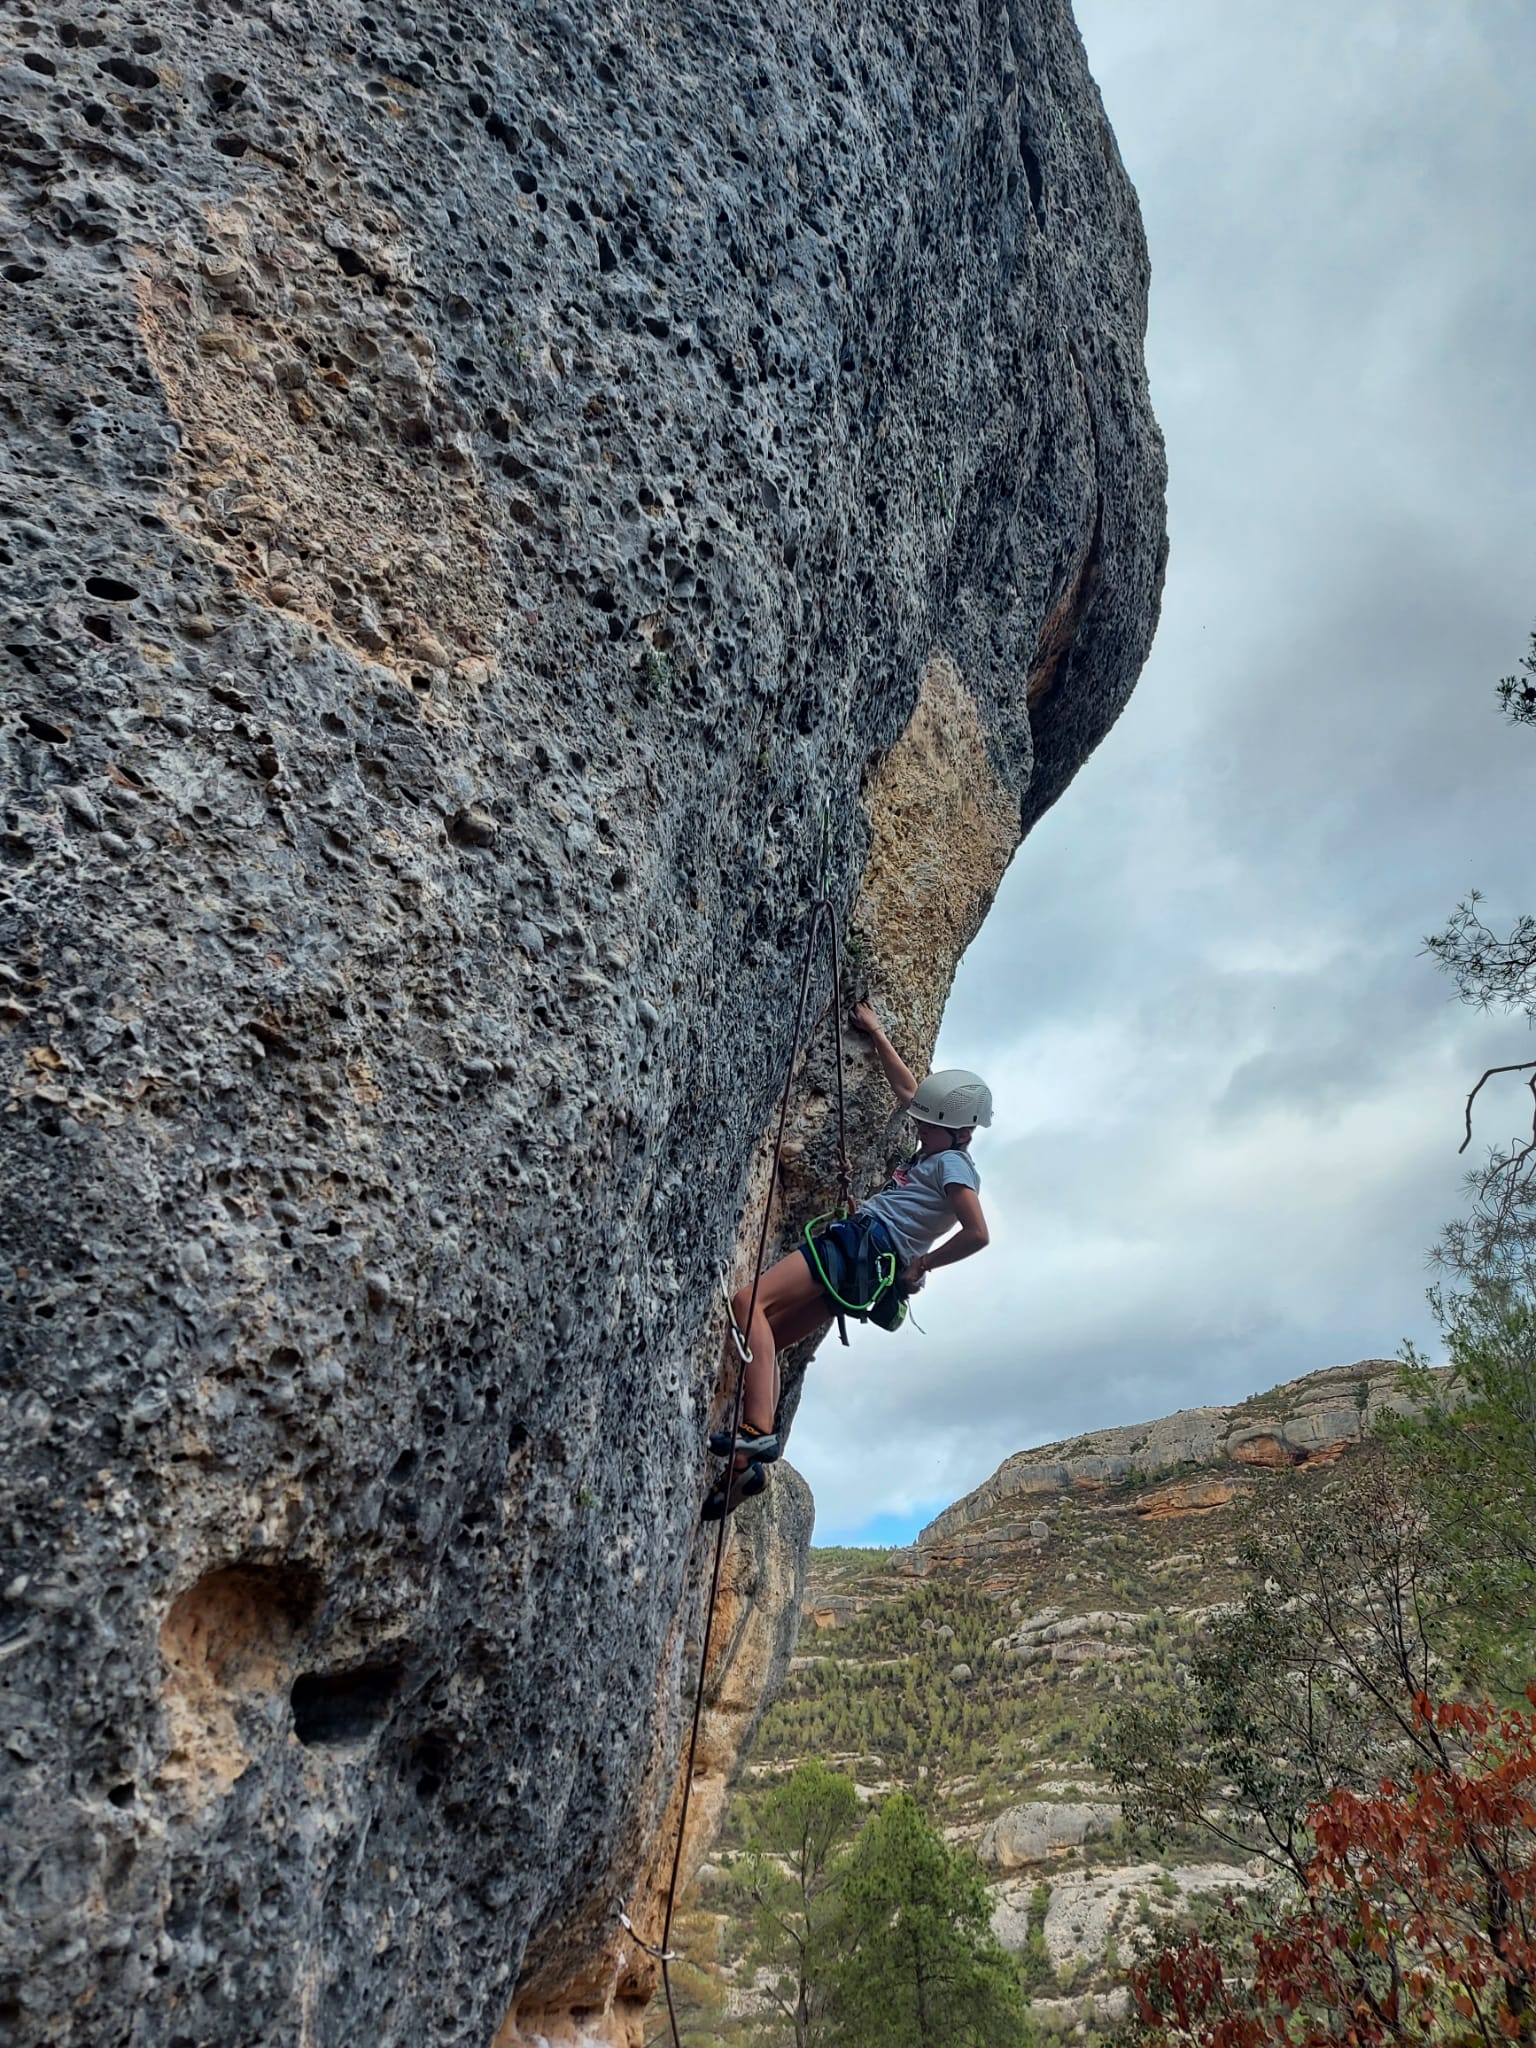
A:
[1328,1454]
[1186,1497]
[1265,1450]
[226,1640]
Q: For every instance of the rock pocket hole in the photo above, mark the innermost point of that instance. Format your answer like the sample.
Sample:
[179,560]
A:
[110,588]
[126,72]
[429,1762]
[228,1643]
[343,1710]
[224,88]
[42,728]
[503,132]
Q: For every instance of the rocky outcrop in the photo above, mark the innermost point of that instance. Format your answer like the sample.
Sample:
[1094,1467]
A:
[1126,1903]
[1185,1497]
[1041,1828]
[485,489]
[1307,1421]
[833,1610]
[1045,1638]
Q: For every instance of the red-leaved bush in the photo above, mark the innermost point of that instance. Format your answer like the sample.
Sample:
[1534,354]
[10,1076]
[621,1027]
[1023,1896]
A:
[1418,1919]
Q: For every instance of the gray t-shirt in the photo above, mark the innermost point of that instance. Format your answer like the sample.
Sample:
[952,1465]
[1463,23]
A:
[912,1204]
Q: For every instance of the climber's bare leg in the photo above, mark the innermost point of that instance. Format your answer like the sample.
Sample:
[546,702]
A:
[790,1304]
[791,1328]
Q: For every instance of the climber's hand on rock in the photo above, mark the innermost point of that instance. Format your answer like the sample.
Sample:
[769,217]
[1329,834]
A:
[865,1019]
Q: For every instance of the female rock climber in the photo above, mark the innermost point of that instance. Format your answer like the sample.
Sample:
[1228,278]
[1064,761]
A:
[869,1262]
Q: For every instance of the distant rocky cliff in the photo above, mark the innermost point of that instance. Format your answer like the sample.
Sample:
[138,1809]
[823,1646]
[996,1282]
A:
[483,487]
[1198,1455]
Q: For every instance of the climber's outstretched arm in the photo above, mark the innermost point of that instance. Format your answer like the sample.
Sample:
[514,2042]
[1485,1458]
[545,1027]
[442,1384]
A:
[897,1072]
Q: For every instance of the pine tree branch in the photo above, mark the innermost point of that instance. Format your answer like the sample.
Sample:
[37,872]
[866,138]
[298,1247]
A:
[1518,1067]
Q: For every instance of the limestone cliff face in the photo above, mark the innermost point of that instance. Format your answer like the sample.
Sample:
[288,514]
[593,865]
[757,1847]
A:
[1200,1453]
[483,486]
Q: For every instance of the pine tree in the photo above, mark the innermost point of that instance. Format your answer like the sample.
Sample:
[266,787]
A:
[797,1830]
[917,1964]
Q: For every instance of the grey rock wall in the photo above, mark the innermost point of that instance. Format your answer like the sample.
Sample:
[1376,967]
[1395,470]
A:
[481,486]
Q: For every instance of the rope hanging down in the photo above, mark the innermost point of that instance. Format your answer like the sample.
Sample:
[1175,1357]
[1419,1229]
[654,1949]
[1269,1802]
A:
[823,916]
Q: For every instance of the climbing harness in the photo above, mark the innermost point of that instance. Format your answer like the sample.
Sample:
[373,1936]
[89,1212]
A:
[882,1271]
[823,917]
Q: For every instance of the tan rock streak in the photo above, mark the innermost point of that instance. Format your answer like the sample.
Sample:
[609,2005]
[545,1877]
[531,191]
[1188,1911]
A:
[943,828]
[320,456]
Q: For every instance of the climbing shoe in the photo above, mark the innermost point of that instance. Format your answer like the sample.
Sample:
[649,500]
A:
[761,1445]
[725,1498]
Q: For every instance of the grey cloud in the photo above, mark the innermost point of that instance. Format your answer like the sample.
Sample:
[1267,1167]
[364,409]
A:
[1343,1031]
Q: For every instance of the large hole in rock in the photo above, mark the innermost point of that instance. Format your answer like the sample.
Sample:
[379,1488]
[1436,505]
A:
[343,1709]
[230,1643]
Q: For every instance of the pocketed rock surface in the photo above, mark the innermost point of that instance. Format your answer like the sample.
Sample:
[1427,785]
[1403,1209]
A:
[483,492]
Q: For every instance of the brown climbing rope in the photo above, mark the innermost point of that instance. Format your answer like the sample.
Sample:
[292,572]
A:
[822,915]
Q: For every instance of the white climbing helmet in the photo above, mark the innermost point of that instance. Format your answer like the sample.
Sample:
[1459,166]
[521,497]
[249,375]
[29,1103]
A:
[953,1098]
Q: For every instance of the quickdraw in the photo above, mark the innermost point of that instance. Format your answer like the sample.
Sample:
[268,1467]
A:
[662,1955]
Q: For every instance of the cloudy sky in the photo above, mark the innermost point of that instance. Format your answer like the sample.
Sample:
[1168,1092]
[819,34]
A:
[1229,1084]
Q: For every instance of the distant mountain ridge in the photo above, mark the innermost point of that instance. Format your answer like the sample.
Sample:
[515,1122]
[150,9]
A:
[1305,1421]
